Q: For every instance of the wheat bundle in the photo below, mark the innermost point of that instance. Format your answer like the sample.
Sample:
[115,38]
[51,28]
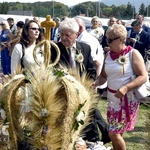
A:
[60,104]
[8,96]
[55,103]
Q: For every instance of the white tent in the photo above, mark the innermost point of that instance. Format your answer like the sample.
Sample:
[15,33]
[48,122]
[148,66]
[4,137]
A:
[87,20]
[17,17]
[104,21]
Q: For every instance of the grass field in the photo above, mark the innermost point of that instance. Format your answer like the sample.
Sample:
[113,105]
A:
[135,140]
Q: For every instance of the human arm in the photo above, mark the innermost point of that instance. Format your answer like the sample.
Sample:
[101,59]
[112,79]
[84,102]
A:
[101,79]
[16,57]
[16,39]
[13,41]
[139,70]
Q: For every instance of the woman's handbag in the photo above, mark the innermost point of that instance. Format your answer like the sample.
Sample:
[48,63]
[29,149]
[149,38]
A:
[144,90]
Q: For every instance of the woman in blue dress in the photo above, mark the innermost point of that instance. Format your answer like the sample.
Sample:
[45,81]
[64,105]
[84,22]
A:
[4,38]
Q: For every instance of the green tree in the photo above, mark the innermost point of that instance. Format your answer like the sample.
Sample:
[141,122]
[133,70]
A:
[142,9]
[102,10]
[107,12]
[129,12]
[18,6]
[78,9]
[41,12]
[26,7]
[147,11]
[4,7]
[115,11]
[89,8]
[121,10]
[60,10]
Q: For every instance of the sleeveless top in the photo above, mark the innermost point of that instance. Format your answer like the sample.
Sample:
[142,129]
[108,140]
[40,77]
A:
[118,74]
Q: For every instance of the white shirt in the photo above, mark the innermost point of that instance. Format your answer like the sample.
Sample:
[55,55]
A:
[28,59]
[97,52]
[98,32]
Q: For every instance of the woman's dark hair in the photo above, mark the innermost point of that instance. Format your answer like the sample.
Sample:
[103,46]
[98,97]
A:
[25,37]
[20,24]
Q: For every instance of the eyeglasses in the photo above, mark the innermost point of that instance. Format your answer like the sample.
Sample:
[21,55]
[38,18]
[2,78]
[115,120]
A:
[35,29]
[2,24]
[111,40]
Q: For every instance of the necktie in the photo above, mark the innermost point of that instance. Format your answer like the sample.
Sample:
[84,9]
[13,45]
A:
[71,58]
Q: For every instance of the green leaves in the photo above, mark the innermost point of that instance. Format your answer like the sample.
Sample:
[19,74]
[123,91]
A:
[79,115]
[58,72]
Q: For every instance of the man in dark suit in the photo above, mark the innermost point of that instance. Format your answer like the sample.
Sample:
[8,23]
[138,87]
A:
[139,39]
[145,24]
[55,37]
[79,48]
[69,33]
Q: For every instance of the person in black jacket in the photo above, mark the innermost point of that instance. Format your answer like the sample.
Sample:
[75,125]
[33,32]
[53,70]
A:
[139,39]
[68,33]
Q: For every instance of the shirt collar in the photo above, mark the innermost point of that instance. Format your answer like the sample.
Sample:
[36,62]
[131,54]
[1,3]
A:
[73,46]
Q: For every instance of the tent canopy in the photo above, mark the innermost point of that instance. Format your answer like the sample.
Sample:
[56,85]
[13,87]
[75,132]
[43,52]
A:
[17,17]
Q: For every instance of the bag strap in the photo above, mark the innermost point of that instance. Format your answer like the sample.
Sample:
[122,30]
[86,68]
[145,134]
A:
[23,53]
[130,58]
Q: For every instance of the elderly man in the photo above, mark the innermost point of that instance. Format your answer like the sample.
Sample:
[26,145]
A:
[97,52]
[69,48]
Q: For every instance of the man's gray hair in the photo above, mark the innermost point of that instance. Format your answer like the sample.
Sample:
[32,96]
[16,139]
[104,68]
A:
[69,24]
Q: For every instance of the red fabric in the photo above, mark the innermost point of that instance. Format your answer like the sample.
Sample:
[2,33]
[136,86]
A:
[126,106]
[115,56]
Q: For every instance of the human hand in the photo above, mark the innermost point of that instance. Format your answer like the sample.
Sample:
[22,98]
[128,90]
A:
[121,92]
[94,84]
[133,40]
[9,44]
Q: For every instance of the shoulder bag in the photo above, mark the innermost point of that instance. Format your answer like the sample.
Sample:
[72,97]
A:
[143,90]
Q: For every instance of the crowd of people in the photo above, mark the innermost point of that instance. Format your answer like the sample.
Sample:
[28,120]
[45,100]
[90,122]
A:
[109,56]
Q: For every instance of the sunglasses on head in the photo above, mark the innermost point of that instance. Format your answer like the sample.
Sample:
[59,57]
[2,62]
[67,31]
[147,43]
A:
[35,29]
[111,40]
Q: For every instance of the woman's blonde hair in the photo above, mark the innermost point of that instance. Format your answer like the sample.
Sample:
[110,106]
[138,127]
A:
[117,30]
[6,23]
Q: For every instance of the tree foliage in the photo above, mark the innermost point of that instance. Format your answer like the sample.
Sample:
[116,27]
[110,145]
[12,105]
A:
[57,9]
[142,9]
[4,7]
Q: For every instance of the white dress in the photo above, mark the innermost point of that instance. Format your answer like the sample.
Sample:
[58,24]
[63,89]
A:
[121,112]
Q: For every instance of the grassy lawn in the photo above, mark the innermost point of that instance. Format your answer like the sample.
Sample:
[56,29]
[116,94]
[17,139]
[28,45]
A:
[135,140]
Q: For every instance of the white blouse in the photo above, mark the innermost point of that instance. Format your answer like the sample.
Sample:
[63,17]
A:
[28,59]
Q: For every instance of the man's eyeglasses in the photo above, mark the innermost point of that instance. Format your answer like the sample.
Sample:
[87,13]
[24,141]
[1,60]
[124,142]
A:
[111,40]
[35,29]
[2,24]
